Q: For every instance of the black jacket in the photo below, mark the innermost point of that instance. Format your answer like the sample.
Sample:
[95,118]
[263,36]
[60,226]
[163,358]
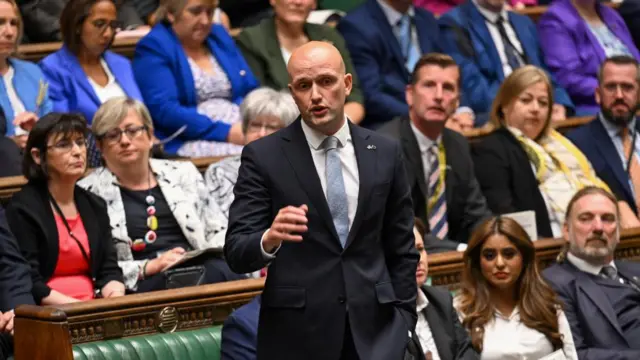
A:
[31,219]
[466,206]
[15,279]
[507,180]
[451,339]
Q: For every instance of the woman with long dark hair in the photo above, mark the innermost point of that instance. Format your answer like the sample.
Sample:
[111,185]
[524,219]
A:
[508,309]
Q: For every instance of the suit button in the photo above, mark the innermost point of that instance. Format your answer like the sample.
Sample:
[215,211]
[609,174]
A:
[341,299]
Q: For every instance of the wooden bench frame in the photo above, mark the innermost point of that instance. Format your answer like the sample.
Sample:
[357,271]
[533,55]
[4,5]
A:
[56,329]
[49,333]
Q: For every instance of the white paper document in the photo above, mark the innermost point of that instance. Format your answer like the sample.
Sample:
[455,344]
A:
[526,219]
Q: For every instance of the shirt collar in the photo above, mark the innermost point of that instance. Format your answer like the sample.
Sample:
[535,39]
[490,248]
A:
[393,15]
[422,302]
[424,143]
[315,138]
[612,129]
[490,15]
[585,266]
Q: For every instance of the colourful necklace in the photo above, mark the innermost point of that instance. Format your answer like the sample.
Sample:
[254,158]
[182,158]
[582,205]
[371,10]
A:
[152,222]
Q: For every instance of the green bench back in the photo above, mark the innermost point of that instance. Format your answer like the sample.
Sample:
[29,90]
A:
[200,344]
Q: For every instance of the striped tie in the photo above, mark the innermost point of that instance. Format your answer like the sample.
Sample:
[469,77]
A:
[437,202]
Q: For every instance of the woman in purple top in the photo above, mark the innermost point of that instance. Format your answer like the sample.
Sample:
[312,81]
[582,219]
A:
[576,37]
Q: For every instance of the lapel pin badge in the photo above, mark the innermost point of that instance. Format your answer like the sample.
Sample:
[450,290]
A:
[371,147]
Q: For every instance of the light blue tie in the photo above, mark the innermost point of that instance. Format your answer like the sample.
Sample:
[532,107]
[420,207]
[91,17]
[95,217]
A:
[409,50]
[336,195]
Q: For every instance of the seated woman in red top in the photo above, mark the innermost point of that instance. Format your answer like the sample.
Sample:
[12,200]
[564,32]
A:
[63,231]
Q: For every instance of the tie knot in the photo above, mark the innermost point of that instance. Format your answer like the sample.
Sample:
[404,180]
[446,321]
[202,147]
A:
[403,21]
[330,143]
[624,132]
[609,271]
[499,20]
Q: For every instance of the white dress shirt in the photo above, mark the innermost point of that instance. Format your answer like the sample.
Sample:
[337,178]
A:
[614,134]
[350,174]
[423,330]
[111,90]
[14,100]
[490,20]
[507,338]
[589,268]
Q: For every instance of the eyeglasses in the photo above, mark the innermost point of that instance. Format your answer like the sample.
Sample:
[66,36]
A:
[114,136]
[102,25]
[625,87]
[66,145]
[257,127]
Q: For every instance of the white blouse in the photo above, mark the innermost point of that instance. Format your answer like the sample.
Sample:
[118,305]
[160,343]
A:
[506,338]
[111,90]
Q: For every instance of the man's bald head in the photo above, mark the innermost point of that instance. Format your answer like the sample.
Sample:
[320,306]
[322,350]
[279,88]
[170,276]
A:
[319,85]
[314,53]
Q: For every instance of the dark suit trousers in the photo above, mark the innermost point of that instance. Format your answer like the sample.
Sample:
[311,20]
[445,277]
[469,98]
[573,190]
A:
[6,346]
[348,346]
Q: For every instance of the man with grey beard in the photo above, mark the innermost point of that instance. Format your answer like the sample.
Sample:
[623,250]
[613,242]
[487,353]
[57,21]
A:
[601,295]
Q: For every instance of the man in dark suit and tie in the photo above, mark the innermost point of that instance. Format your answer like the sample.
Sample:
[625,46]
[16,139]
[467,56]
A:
[15,285]
[610,142]
[446,194]
[488,43]
[327,206]
[601,296]
[385,39]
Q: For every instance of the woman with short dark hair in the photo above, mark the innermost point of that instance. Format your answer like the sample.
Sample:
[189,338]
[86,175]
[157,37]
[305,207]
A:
[83,74]
[508,309]
[63,230]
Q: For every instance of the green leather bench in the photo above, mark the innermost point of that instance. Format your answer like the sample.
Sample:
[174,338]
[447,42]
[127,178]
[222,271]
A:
[200,344]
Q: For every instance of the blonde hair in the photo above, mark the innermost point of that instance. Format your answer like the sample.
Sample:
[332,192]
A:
[517,82]
[175,8]
[20,31]
[113,111]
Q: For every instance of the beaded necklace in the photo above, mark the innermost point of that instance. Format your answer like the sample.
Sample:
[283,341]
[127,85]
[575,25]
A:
[152,222]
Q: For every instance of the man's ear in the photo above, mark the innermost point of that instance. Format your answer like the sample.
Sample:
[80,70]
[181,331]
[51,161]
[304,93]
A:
[408,95]
[348,84]
[597,94]
[35,155]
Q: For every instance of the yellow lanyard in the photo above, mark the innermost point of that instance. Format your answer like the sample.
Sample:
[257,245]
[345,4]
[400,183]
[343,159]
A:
[442,160]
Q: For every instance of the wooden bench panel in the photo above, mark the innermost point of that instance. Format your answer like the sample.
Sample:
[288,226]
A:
[56,329]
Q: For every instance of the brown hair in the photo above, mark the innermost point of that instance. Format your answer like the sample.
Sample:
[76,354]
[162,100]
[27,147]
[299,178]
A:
[173,7]
[536,301]
[517,82]
[437,59]
[73,16]
[619,60]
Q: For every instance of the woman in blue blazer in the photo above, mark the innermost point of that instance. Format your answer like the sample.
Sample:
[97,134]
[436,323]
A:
[193,78]
[23,92]
[83,74]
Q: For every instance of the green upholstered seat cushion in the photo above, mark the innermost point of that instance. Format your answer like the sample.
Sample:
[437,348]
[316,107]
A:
[200,344]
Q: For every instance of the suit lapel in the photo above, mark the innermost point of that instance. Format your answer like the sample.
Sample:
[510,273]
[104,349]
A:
[478,25]
[367,163]
[79,75]
[449,180]
[278,67]
[183,210]
[414,157]
[387,33]
[598,298]
[440,338]
[628,274]
[605,145]
[296,150]
[524,37]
